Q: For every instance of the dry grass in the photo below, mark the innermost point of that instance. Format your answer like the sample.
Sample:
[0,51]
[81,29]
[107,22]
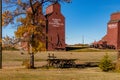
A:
[57,74]
[14,58]
[13,70]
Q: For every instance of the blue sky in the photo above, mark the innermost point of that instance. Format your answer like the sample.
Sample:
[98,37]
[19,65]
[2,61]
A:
[84,18]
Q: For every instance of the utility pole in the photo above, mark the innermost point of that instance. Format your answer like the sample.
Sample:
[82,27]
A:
[83,39]
[0,35]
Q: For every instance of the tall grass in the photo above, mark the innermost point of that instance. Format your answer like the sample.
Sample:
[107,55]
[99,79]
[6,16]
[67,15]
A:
[57,74]
[13,69]
[15,58]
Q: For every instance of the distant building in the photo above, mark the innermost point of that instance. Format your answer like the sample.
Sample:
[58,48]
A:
[112,38]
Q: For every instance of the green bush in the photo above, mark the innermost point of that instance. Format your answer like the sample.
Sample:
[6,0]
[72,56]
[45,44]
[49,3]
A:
[106,64]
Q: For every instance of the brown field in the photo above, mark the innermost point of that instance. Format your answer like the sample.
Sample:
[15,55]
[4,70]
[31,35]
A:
[13,69]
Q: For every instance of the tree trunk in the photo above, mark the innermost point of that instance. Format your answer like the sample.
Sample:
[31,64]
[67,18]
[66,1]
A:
[118,55]
[0,36]
[0,55]
[32,60]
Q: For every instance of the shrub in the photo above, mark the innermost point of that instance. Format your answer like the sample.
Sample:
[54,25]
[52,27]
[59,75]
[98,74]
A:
[9,48]
[117,66]
[26,63]
[106,64]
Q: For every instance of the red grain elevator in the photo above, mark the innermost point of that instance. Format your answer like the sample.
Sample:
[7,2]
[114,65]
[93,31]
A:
[113,31]
[55,28]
